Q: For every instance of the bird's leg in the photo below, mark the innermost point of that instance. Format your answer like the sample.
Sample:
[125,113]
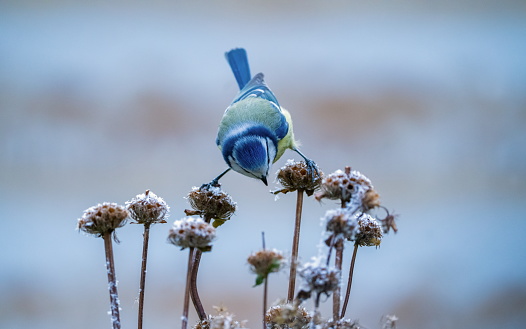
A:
[311,165]
[214,182]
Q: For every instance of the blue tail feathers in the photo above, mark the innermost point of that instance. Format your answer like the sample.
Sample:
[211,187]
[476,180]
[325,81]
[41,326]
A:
[238,60]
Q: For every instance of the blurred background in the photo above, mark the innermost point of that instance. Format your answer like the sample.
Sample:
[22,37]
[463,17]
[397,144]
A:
[101,102]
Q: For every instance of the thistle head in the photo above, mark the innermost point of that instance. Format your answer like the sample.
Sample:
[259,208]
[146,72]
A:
[297,176]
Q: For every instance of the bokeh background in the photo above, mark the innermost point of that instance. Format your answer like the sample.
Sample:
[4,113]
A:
[100,102]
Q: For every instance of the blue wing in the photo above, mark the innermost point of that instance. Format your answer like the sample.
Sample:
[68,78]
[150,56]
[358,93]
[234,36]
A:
[257,88]
[238,61]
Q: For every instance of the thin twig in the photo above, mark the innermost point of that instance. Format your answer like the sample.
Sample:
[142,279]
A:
[295,245]
[351,271]
[112,281]
[186,302]
[146,237]
[265,293]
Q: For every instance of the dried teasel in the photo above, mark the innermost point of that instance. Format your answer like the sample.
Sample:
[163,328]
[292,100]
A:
[102,218]
[297,176]
[211,203]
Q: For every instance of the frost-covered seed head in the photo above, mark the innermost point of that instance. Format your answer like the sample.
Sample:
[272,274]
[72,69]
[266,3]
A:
[212,203]
[344,186]
[320,279]
[340,324]
[341,224]
[148,208]
[296,176]
[224,320]
[287,316]
[102,218]
[369,231]
[191,232]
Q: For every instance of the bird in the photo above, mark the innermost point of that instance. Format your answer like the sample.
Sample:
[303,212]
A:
[255,130]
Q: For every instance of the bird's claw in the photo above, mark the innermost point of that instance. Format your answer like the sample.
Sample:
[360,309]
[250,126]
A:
[207,186]
[312,168]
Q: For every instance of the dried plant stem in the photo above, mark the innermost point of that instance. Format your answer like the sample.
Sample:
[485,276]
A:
[265,296]
[351,271]
[295,245]
[338,260]
[146,237]
[112,281]
[186,302]
[193,286]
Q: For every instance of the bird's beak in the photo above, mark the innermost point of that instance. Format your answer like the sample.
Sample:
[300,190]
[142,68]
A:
[264,180]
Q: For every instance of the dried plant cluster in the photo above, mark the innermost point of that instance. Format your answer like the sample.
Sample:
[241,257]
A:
[353,222]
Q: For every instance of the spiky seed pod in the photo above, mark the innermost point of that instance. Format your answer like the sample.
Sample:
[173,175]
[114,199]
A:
[102,218]
[148,208]
[264,262]
[369,231]
[341,224]
[320,279]
[297,176]
[211,203]
[287,316]
[192,232]
[340,324]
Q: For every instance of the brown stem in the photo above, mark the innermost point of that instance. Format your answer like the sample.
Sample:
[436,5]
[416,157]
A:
[187,289]
[338,260]
[295,245]
[351,271]
[146,237]
[193,286]
[265,294]
[112,281]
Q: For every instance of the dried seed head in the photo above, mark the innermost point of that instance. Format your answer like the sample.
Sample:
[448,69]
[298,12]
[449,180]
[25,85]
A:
[369,231]
[341,224]
[191,232]
[370,200]
[320,279]
[336,186]
[287,316]
[102,218]
[211,202]
[390,321]
[148,208]
[341,324]
[297,176]
[223,320]
[264,262]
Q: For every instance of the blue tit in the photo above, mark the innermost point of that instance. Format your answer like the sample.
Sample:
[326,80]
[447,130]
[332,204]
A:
[255,130]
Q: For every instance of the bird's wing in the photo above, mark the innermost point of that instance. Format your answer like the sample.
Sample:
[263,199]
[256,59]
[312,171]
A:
[257,88]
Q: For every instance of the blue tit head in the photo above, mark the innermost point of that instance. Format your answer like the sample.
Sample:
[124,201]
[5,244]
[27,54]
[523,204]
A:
[250,151]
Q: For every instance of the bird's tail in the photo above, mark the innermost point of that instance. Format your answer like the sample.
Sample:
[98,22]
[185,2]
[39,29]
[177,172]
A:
[238,60]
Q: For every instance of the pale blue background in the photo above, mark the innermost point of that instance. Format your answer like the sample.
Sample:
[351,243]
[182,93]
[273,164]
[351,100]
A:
[100,102]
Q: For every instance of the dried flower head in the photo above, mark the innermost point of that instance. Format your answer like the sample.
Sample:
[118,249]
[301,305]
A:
[370,200]
[297,176]
[102,218]
[211,203]
[388,223]
[340,324]
[319,279]
[148,208]
[191,232]
[223,320]
[341,224]
[264,262]
[349,186]
[369,231]
[287,316]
